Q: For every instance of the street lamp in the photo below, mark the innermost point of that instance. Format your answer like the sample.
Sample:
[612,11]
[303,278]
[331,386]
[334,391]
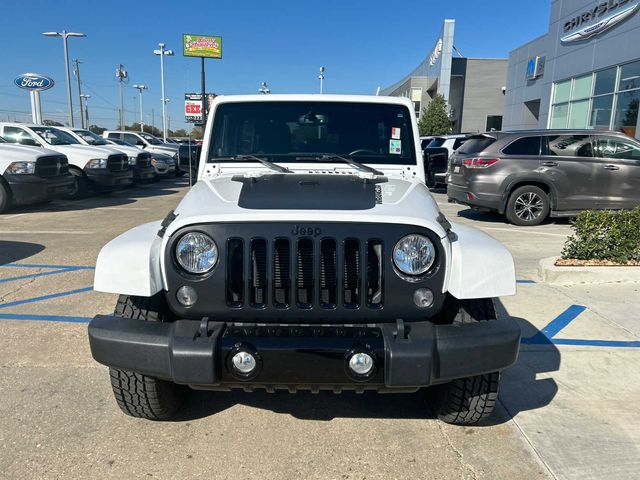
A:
[86,98]
[321,77]
[263,88]
[64,34]
[163,53]
[140,89]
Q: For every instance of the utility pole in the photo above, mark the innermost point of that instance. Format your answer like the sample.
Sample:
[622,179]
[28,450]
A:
[264,89]
[65,35]
[153,120]
[321,77]
[86,109]
[163,53]
[140,89]
[121,74]
[76,72]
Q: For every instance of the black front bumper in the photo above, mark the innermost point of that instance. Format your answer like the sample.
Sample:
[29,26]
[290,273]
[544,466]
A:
[28,189]
[106,179]
[141,174]
[407,356]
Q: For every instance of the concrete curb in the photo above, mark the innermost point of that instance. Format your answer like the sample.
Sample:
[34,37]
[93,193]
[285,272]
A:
[550,273]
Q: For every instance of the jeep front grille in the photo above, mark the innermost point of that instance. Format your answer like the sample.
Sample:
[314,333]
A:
[51,166]
[304,273]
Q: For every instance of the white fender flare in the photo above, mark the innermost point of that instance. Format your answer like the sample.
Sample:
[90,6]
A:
[130,263]
[481,267]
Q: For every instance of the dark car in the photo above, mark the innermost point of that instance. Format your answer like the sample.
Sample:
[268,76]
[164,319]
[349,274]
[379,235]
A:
[530,175]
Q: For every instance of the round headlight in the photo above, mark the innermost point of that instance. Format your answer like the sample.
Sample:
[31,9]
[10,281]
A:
[414,254]
[196,252]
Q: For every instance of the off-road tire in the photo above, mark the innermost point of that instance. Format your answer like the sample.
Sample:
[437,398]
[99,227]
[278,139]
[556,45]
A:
[468,400]
[81,189]
[541,212]
[5,197]
[139,395]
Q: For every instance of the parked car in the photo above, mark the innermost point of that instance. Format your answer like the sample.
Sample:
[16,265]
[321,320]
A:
[150,144]
[309,255]
[31,175]
[139,160]
[101,168]
[436,157]
[529,175]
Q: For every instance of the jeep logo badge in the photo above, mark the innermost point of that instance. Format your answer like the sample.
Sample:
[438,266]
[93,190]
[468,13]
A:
[306,231]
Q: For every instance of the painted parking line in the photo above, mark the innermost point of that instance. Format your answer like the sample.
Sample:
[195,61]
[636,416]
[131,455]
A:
[37,265]
[44,318]
[553,328]
[525,281]
[46,297]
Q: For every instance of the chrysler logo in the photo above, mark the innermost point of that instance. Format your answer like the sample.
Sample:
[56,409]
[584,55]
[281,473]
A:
[607,14]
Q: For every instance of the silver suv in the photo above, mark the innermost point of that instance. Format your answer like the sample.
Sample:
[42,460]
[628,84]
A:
[529,175]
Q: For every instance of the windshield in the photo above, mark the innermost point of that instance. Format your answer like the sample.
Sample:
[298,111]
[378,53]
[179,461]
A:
[151,139]
[53,136]
[436,142]
[90,137]
[292,131]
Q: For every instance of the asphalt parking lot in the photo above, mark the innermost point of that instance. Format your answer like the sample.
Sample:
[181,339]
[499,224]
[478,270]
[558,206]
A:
[567,408]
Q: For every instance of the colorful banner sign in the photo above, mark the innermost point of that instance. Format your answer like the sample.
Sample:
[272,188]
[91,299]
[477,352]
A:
[201,46]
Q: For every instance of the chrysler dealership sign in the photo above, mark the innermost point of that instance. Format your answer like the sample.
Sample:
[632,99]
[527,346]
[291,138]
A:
[606,15]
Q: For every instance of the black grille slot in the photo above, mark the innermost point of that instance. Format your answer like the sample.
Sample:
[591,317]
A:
[374,274]
[328,273]
[281,273]
[143,160]
[304,273]
[351,280]
[51,166]
[259,284]
[117,163]
[235,269]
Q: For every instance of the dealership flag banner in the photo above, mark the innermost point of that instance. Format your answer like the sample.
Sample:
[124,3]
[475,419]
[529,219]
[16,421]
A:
[201,46]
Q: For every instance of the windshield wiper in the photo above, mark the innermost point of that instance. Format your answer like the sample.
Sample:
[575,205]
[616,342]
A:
[252,158]
[349,161]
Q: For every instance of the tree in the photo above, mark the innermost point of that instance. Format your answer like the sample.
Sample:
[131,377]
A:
[196,133]
[434,119]
[156,132]
[52,123]
[96,129]
[181,132]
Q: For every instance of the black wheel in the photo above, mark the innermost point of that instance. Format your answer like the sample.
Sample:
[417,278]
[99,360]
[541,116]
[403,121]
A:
[5,197]
[139,395]
[81,185]
[468,400]
[180,173]
[527,206]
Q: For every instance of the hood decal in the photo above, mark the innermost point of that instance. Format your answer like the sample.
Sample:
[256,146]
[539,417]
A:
[309,192]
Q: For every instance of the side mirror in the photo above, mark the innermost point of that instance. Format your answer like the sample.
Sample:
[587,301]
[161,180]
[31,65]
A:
[28,141]
[140,143]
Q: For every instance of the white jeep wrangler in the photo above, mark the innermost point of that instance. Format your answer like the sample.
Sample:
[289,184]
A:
[309,255]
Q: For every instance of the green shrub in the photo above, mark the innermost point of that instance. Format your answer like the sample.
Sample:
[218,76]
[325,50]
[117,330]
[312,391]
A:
[605,235]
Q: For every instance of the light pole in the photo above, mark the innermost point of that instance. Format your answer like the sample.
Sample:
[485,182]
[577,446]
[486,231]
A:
[321,77]
[263,88]
[86,98]
[140,89]
[64,34]
[121,74]
[163,53]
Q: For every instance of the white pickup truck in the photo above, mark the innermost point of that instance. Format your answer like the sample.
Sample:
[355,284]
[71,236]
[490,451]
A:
[31,175]
[100,168]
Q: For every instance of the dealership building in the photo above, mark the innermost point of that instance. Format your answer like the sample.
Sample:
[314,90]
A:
[583,73]
[472,87]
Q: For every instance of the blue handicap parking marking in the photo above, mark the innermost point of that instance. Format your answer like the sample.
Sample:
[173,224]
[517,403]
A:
[53,270]
[548,333]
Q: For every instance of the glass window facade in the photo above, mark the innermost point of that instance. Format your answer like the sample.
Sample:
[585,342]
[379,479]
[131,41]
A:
[606,99]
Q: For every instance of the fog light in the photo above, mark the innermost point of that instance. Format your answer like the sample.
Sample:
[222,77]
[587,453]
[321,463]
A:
[187,296]
[423,298]
[361,363]
[244,362]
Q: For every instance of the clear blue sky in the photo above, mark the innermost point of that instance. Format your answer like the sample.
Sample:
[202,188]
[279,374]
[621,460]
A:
[362,44]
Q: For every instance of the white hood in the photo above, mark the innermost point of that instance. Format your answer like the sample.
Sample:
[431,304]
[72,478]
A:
[128,151]
[397,201]
[22,153]
[79,155]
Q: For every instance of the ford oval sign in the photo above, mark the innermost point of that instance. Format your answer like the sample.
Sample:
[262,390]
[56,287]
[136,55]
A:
[33,81]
